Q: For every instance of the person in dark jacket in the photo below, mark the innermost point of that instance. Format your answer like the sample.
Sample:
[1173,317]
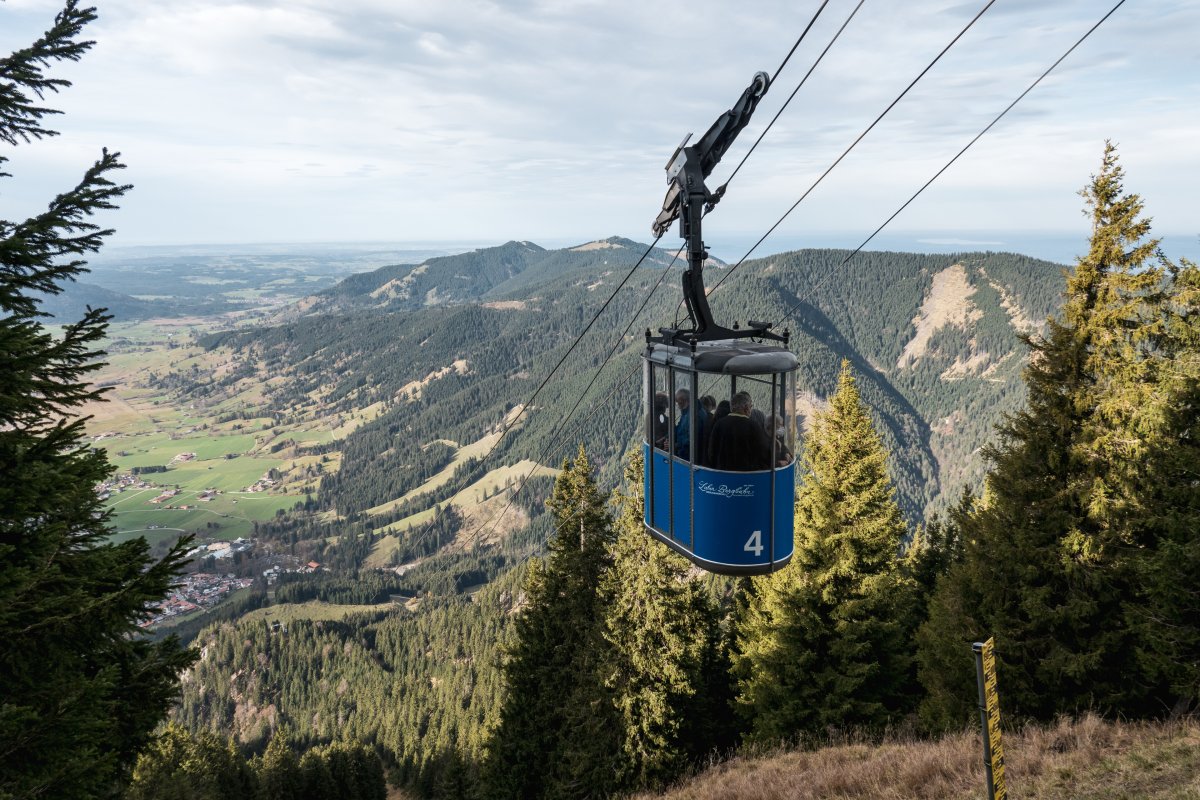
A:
[738,443]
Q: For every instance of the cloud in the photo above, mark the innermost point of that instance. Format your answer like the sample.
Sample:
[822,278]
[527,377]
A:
[553,119]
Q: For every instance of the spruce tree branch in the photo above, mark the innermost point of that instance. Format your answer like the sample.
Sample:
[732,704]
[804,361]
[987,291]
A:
[22,75]
[30,250]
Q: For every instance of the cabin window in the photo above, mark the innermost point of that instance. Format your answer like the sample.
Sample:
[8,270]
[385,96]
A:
[671,422]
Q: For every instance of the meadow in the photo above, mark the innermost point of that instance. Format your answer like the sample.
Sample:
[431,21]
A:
[141,426]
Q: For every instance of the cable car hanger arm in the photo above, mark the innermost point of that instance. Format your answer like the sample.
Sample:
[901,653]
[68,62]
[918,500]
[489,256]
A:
[707,152]
[687,200]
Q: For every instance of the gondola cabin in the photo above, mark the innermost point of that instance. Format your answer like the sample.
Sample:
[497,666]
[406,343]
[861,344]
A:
[721,492]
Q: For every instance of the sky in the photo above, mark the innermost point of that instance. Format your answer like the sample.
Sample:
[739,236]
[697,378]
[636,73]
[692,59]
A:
[465,121]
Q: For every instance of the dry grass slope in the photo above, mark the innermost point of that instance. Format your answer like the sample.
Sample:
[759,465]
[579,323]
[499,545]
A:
[1087,759]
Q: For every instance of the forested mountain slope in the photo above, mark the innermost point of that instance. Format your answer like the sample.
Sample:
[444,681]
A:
[934,339]
[941,331]
[437,281]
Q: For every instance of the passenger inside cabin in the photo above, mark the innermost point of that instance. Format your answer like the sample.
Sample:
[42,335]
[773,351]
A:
[662,420]
[683,426]
[738,443]
[783,454]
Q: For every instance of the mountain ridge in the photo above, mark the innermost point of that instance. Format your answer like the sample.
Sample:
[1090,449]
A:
[935,406]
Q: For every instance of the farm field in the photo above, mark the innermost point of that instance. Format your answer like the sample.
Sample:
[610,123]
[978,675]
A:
[226,516]
[142,426]
[286,613]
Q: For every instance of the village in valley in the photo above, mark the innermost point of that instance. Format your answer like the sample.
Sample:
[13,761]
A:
[201,591]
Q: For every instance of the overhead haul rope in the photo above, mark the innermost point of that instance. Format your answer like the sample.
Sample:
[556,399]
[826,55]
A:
[799,39]
[509,425]
[854,144]
[803,80]
[790,97]
[480,533]
[812,292]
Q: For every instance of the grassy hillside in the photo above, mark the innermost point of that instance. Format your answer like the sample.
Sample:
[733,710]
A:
[1088,759]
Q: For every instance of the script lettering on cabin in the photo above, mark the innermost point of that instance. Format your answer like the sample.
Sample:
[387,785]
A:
[745,490]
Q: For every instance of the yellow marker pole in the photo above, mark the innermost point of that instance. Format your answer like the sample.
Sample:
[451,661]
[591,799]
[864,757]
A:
[989,715]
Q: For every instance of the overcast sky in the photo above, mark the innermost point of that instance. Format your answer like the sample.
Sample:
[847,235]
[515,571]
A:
[457,120]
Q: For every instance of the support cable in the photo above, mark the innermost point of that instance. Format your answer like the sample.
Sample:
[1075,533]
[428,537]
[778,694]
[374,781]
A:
[563,441]
[854,144]
[803,33]
[812,292]
[553,451]
[820,57]
[509,425]
[733,174]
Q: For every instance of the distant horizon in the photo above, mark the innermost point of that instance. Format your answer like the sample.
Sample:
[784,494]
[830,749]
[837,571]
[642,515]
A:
[461,121]
[1061,247]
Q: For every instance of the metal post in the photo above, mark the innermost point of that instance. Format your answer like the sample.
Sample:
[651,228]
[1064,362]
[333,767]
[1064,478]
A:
[977,649]
[989,714]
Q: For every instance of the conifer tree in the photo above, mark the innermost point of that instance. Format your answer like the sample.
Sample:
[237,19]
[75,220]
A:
[551,668]
[1073,508]
[356,771]
[315,779]
[823,643]
[179,766]
[663,642]
[81,689]
[1166,621]
[279,776]
[933,550]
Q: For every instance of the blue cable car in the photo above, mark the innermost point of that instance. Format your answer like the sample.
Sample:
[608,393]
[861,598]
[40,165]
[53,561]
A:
[734,522]
[719,491]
